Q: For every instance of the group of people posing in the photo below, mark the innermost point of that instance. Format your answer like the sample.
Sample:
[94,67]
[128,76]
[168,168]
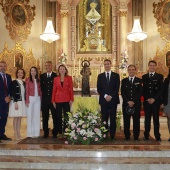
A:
[53,93]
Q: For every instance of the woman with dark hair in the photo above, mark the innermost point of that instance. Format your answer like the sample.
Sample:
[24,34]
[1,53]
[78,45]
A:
[62,95]
[33,102]
[166,100]
[17,108]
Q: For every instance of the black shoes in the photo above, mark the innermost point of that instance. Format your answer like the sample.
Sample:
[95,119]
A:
[5,138]
[169,139]
[145,139]
[127,138]
[54,136]
[136,139]
[159,139]
[112,138]
[45,136]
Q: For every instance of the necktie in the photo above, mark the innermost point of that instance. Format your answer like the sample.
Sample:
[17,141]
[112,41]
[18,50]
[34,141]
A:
[151,75]
[107,77]
[131,80]
[5,85]
[48,75]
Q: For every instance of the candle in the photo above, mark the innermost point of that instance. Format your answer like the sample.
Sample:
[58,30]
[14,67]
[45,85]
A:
[74,68]
[79,67]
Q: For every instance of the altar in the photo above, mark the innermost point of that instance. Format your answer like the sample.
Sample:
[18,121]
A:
[90,103]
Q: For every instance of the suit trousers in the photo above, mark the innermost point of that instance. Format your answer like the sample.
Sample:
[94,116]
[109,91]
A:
[62,108]
[108,109]
[152,109]
[136,122]
[4,107]
[46,107]
[33,117]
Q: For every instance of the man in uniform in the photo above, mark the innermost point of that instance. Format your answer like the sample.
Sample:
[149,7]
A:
[46,87]
[152,92]
[131,90]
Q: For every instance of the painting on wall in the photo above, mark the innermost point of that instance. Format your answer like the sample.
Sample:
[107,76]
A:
[18,60]
[18,17]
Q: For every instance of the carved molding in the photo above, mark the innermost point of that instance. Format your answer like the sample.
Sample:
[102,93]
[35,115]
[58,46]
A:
[18,17]
[64,14]
[161,13]
[9,56]
[123,13]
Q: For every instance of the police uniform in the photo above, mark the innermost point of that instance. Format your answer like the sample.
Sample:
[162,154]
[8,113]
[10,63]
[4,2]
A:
[131,91]
[46,87]
[152,88]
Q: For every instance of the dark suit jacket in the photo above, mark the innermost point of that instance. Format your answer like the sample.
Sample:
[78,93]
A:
[47,86]
[153,87]
[165,92]
[112,89]
[16,91]
[131,92]
[2,89]
[2,93]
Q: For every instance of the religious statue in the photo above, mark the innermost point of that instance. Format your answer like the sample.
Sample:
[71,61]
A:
[93,31]
[85,72]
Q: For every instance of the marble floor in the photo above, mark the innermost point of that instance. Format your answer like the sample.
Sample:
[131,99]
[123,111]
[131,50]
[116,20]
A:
[22,156]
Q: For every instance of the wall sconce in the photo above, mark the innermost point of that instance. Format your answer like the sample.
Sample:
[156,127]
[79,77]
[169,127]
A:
[137,34]
[49,34]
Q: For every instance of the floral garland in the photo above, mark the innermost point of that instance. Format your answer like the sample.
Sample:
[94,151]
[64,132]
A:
[123,60]
[85,127]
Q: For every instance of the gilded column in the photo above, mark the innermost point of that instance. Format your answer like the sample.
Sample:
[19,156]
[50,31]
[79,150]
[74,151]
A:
[123,25]
[64,31]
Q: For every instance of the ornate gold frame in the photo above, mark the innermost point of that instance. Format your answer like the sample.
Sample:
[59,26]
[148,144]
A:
[18,17]
[106,18]
[161,13]
[9,57]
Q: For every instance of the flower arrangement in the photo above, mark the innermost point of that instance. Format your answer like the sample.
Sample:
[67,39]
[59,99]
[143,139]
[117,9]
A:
[63,58]
[85,127]
[123,60]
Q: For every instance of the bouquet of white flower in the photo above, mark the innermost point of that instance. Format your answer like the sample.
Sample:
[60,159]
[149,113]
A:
[85,127]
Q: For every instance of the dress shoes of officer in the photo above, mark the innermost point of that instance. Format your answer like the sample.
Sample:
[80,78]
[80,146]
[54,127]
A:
[4,137]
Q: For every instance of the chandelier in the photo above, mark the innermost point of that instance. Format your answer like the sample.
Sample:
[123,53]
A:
[137,34]
[49,34]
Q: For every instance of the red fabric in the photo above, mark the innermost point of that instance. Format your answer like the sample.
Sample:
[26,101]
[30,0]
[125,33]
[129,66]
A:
[62,93]
[5,85]
[30,89]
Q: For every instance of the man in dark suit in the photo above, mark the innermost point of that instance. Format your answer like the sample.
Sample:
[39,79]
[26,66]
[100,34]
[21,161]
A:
[5,88]
[152,92]
[131,90]
[108,88]
[46,80]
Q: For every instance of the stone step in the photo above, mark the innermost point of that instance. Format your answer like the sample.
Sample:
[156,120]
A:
[69,163]
[84,153]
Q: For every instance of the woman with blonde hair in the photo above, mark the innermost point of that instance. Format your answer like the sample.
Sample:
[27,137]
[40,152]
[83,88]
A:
[62,95]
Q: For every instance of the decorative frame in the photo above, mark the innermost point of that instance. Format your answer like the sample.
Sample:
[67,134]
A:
[18,17]
[162,14]
[10,56]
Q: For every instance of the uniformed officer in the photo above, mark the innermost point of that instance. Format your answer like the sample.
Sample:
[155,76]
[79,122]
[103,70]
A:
[46,80]
[131,90]
[152,92]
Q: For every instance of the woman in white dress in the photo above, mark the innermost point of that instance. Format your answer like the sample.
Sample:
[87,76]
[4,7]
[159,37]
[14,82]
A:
[33,103]
[17,108]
